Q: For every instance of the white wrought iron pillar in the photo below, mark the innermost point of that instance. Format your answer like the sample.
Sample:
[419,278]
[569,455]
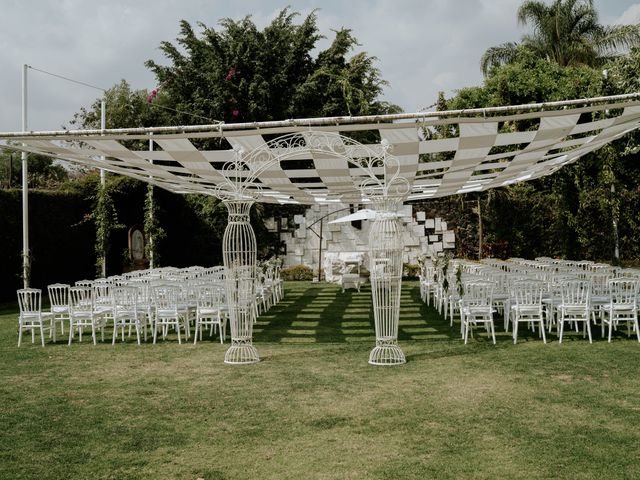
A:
[385,255]
[239,255]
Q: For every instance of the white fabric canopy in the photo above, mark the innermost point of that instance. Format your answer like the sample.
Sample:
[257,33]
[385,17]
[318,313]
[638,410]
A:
[318,162]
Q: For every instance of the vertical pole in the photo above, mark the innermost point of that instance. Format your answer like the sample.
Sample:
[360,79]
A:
[26,259]
[320,252]
[103,176]
[616,239]
[150,220]
[103,125]
[479,230]
[10,168]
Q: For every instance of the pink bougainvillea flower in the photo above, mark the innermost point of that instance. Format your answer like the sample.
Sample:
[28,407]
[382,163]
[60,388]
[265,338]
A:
[152,96]
[235,113]
[232,73]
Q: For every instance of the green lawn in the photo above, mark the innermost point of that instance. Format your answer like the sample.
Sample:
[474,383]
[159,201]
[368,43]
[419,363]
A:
[314,409]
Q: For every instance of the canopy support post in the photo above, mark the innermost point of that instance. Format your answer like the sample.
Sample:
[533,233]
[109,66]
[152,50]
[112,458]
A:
[26,256]
[385,255]
[240,259]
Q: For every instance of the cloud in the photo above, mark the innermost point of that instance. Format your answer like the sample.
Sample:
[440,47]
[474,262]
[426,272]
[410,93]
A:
[630,16]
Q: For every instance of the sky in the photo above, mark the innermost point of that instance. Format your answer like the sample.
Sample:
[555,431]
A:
[422,46]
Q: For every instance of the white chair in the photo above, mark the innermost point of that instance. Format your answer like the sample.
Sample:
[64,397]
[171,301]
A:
[211,311]
[102,300]
[553,297]
[476,307]
[31,315]
[126,312]
[623,305]
[82,313]
[167,312]
[526,298]
[574,306]
[278,284]
[427,283]
[59,300]
[599,295]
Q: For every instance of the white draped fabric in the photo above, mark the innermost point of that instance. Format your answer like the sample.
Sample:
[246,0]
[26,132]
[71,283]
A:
[483,149]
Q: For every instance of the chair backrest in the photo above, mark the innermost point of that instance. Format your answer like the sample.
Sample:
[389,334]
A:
[59,294]
[624,291]
[558,281]
[599,283]
[576,292]
[165,297]
[527,292]
[102,293]
[84,283]
[143,291]
[29,300]
[80,299]
[478,294]
[188,292]
[210,296]
[125,299]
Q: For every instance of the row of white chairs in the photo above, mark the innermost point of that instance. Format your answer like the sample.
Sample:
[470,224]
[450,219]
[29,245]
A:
[160,299]
[534,292]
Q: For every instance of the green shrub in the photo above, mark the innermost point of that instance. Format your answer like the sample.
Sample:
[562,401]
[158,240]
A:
[297,272]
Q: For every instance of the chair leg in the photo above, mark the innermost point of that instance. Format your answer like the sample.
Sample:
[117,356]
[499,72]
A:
[515,331]
[93,333]
[137,331]
[493,332]
[41,333]
[178,330]
[588,328]
[19,334]
[195,335]
[561,329]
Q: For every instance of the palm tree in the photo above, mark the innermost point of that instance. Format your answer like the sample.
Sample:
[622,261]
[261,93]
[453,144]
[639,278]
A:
[566,32]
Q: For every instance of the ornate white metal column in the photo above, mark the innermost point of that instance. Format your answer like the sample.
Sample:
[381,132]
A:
[239,254]
[385,255]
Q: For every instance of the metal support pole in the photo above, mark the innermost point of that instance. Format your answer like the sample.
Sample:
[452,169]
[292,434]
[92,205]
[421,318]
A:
[103,178]
[26,258]
[320,252]
[480,239]
[616,239]
[151,220]
[103,125]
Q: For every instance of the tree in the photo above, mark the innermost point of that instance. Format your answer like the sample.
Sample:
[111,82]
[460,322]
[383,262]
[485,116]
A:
[243,74]
[42,171]
[566,32]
